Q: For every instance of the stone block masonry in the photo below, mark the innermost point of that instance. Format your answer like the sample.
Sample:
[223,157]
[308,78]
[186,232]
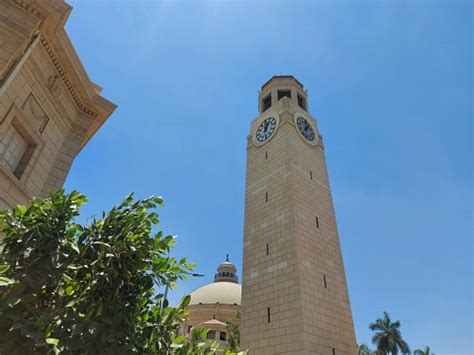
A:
[49,108]
[294,293]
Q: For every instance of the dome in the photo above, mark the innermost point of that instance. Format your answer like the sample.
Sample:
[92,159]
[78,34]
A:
[218,292]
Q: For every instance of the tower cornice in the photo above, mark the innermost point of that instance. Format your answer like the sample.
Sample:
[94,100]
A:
[280,78]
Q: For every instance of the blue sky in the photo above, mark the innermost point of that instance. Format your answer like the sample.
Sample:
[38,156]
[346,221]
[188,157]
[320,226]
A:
[390,83]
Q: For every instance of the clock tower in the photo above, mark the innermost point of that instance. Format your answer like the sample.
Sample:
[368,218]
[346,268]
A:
[294,292]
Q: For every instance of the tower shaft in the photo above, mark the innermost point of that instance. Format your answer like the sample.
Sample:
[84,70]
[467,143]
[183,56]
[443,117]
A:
[294,295]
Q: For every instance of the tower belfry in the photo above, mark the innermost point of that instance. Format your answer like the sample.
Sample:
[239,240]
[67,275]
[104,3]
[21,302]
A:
[294,293]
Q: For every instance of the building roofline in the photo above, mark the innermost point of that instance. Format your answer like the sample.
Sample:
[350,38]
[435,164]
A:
[282,77]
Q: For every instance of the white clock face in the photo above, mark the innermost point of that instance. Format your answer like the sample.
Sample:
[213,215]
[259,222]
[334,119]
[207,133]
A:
[266,129]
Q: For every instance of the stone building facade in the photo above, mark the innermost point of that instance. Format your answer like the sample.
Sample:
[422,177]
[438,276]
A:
[49,108]
[213,304]
[294,294]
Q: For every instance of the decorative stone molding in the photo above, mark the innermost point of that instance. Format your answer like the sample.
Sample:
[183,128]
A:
[50,108]
[65,78]
[53,85]
[34,109]
[26,5]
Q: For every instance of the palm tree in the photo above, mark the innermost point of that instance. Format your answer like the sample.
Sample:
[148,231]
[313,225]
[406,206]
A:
[388,337]
[364,349]
[427,351]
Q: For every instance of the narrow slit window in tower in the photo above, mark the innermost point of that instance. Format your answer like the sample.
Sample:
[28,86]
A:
[266,196]
[302,102]
[266,155]
[267,103]
[311,175]
[268,250]
[325,282]
[317,222]
[333,351]
[268,314]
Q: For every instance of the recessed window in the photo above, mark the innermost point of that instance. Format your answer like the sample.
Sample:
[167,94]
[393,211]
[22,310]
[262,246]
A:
[266,196]
[325,281]
[333,351]
[302,102]
[267,103]
[211,334]
[16,149]
[311,175]
[317,222]
[266,155]
[284,93]
[268,315]
[222,336]
[268,249]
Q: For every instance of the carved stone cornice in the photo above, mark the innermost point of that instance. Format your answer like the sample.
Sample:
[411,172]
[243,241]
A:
[26,5]
[52,16]
[65,78]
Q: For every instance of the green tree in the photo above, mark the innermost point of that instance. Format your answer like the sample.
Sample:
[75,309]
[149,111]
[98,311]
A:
[388,337]
[233,334]
[198,344]
[71,288]
[425,351]
[363,349]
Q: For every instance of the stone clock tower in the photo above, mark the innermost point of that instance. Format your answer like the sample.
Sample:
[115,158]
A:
[294,292]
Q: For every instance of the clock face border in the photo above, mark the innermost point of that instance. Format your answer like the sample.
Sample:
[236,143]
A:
[311,122]
[255,141]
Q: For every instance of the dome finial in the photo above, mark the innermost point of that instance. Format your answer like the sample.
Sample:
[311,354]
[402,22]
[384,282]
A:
[227,258]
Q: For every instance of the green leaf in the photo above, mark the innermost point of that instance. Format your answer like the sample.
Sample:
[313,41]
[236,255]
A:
[52,341]
[102,243]
[69,290]
[4,268]
[74,267]
[75,247]
[186,300]
[70,303]
[12,301]
[5,281]
[21,209]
